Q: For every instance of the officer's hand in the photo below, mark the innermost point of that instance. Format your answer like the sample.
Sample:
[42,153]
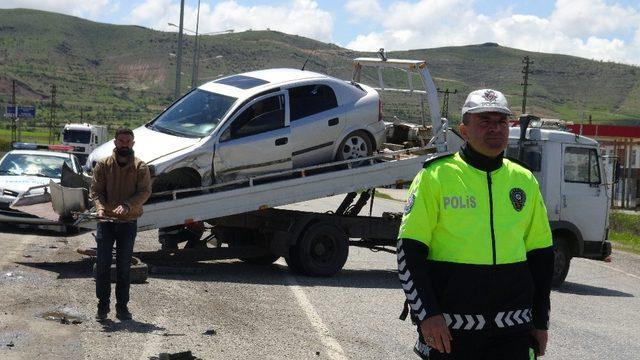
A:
[100,213]
[541,337]
[436,333]
[121,210]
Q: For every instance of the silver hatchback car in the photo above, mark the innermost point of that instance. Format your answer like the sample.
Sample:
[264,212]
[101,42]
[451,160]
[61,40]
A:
[254,123]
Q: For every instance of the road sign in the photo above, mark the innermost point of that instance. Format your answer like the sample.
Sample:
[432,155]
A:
[23,111]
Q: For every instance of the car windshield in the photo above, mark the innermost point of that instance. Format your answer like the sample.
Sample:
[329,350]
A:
[32,164]
[195,115]
[77,136]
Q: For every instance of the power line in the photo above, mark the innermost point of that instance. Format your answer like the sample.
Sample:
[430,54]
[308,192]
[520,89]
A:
[14,120]
[52,113]
[445,101]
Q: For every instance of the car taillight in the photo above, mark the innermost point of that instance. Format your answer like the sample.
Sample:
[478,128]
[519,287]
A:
[380,110]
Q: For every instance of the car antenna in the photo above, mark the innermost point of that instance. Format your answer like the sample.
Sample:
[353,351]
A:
[309,57]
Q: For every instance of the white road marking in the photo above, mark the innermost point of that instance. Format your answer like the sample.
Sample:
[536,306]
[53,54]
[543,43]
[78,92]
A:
[335,351]
[618,270]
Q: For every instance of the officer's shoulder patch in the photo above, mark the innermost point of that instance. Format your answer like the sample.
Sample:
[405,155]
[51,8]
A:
[520,162]
[433,159]
[409,204]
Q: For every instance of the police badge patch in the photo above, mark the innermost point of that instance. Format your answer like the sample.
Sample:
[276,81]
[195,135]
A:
[409,205]
[518,197]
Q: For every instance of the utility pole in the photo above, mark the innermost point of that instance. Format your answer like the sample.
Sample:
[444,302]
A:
[14,121]
[526,61]
[445,101]
[52,113]
[176,91]
[194,67]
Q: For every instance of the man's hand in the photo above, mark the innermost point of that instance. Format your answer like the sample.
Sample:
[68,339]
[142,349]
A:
[436,333]
[541,337]
[121,210]
[100,213]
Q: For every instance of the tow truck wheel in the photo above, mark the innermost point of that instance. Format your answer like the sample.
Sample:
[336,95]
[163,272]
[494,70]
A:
[322,250]
[562,260]
[292,261]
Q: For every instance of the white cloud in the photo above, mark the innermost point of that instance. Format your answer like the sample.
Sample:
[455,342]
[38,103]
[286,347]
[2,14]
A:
[86,9]
[364,9]
[435,23]
[302,17]
[579,18]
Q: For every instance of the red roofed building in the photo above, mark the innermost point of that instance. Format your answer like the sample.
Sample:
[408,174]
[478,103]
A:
[623,143]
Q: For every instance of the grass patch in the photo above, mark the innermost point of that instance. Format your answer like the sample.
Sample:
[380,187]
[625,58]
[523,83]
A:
[625,231]
[625,241]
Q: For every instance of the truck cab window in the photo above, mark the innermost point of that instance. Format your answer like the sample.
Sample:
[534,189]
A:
[531,155]
[581,165]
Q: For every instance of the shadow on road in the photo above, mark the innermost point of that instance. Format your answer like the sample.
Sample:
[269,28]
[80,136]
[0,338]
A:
[581,289]
[234,271]
[274,274]
[66,270]
[132,326]
[40,230]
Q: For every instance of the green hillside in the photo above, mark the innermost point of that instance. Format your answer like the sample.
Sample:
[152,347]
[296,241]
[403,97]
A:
[118,75]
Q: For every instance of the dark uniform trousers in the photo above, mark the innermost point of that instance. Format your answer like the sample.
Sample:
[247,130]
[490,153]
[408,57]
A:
[518,346]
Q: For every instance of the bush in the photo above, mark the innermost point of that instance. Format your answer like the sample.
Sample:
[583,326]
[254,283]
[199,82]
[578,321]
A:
[5,145]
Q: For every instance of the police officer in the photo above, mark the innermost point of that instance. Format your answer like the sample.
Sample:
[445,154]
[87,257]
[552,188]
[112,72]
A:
[475,255]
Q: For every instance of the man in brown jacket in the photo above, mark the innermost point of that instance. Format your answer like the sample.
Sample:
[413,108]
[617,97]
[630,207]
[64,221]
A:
[121,185]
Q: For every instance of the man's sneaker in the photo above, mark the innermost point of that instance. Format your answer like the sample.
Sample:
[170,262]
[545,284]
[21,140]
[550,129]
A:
[103,310]
[122,313]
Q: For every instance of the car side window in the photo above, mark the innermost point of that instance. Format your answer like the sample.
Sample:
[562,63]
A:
[311,99]
[264,115]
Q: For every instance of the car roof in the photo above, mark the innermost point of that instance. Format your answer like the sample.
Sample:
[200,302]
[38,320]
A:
[40,152]
[272,77]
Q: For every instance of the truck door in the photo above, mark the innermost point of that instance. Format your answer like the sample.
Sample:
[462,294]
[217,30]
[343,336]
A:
[583,200]
[256,140]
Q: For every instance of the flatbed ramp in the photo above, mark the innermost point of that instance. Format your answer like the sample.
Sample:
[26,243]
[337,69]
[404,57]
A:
[281,192]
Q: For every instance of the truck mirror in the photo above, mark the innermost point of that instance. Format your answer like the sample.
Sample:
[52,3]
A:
[525,120]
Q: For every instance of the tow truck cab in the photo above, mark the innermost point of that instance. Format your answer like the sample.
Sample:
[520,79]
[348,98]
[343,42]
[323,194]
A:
[571,174]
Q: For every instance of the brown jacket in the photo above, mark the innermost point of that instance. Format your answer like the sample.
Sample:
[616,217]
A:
[114,185]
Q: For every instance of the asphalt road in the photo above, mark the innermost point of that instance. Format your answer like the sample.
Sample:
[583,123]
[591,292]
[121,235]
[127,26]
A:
[265,312]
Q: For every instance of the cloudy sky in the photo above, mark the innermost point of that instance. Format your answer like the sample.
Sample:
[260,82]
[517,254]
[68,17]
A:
[594,29]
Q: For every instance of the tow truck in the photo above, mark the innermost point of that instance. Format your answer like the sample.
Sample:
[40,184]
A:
[246,223]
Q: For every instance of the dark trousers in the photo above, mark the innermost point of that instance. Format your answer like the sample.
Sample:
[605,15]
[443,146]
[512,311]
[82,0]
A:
[123,235]
[518,346]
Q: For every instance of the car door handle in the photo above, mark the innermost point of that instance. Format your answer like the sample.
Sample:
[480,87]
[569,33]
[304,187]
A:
[334,121]
[282,141]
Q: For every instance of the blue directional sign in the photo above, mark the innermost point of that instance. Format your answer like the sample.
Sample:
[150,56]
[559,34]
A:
[23,111]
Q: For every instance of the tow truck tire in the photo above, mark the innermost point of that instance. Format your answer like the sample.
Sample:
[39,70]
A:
[322,250]
[293,262]
[561,261]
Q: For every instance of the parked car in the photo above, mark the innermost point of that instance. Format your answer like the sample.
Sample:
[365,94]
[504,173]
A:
[257,122]
[24,169]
